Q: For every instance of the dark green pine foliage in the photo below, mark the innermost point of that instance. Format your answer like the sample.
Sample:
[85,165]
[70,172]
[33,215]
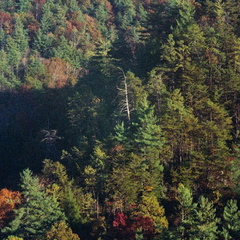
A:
[138,162]
[16,46]
[2,38]
[125,13]
[198,221]
[13,54]
[234,169]
[38,211]
[44,44]
[35,73]
[20,36]
[8,6]
[7,78]
[148,135]
[148,143]
[102,16]
[186,209]
[24,6]
[206,222]
[231,224]
[47,19]
[232,14]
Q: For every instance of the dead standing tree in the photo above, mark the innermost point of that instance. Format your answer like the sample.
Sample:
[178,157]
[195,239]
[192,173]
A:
[124,94]
[50,137]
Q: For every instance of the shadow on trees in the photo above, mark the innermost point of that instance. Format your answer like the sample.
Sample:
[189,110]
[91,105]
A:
[23,117]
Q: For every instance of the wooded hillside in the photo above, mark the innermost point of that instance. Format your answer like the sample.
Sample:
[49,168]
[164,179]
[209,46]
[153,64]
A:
[119,119]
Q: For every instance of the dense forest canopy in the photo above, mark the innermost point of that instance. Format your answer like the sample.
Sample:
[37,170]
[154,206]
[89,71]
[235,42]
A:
[119,119]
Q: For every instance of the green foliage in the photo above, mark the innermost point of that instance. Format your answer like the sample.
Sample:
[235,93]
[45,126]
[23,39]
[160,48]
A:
[206,222]
[13,238]
[24,6]
[7,78]
[233,169]
[186,208]
[146,97]
[148,136]
[35,74]
[150,207]
[231,225]
[20,36]
[37,213]
[78,206]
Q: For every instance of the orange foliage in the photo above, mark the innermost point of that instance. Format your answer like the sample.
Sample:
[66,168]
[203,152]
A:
[108,7]
[4,17]
[74,24]
[92,28]
[33,27]
[8,202]
[5,22]
[60,73]
[39,1]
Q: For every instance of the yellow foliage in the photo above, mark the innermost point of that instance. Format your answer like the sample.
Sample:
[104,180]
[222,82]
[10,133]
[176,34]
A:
[150,207]
[13,238]
[61,231]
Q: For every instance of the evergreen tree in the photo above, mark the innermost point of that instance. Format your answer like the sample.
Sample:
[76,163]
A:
[186,207]
[78,206]
[44,44]
[24,6]
[2,38]
[7,78]
[13,55]
[20,36]
[47,20]
[38,211]
[206,222]
[35,74]
[231,216]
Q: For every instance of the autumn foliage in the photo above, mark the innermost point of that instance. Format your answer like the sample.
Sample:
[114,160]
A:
[8,202]
[60,73]
[126,228]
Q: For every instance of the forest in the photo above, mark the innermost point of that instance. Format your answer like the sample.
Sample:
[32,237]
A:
[120,120]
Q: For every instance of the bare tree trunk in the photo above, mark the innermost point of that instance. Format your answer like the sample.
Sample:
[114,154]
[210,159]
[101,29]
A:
[126,104]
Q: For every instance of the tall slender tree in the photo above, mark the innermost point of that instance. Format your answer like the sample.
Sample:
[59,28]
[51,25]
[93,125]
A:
[38,211]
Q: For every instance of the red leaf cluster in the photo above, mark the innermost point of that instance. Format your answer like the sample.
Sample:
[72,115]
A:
[124,228]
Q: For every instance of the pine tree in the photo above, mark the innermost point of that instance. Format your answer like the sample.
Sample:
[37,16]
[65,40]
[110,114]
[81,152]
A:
[20,36]
[13,55]
[231,224]
[186,208]
[38,212]
[24,6]
[206,222]
[148,136]
[7,78]
[2,38]
[47,19]
[78,205]
[35,74]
